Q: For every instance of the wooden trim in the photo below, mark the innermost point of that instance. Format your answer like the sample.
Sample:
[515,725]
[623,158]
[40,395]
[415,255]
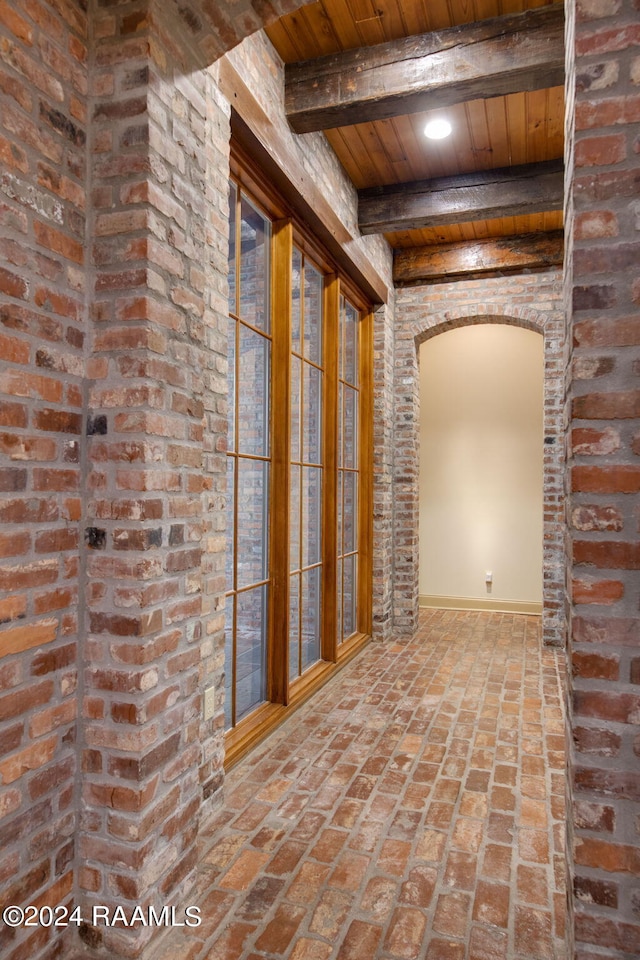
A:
[476,603]
[497,254]
[267,717]
[330,529]
[351,647]
[250,730]
[282,249]
[248,175]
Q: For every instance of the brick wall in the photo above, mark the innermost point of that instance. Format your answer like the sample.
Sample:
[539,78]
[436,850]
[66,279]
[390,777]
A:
[604,478]
[113,437]
[156,427]
[43,131]
[535,302]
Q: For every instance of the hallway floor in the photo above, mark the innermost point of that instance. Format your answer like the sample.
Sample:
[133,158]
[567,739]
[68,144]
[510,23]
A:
[413,809]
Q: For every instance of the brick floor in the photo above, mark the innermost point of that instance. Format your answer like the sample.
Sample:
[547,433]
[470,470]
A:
[411,810]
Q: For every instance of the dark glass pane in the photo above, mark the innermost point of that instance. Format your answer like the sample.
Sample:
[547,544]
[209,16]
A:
[350,428]
[254,266]
[251,650]
[349,596]
[295,300]
[350,365]
[339,596]
[313,297]
[233,196]
[231,383]
[253,522]
[311,605]
[296,386]
[294,626]
[228,662]
[311,515]
[350,519]
[294,519]
[339,512]
[312,424]
[253,393]
[340,425]
[230,552]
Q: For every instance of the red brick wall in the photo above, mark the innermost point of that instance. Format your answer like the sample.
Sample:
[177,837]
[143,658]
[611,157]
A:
[155,466]
[43,129]
[604,478]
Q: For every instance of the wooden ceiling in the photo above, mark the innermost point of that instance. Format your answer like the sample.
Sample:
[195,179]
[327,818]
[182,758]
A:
[490,132]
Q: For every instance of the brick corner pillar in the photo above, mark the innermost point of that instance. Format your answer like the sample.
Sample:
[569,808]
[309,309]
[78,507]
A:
[383,455]
[151,765]
[405,484]
[603,253]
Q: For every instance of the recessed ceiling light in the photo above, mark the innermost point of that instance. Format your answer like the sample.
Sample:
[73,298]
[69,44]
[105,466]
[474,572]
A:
[437,129]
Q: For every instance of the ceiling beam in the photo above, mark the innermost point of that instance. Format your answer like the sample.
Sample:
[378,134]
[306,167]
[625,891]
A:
[506,192]
[490,58]
[497,255]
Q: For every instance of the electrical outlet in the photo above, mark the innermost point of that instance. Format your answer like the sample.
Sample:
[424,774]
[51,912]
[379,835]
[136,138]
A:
[209,704]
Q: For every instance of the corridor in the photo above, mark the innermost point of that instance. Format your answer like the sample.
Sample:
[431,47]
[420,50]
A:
[414,808]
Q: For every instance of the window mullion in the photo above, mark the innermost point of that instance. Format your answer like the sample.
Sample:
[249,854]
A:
[282,248]
[330,442]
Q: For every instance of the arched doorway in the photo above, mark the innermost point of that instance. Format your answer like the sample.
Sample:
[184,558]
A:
[481,465]
[418,322]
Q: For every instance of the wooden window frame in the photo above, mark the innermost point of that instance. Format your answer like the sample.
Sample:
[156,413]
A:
[285,695]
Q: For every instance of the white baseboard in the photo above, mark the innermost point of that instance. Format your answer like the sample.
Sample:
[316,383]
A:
[476,603]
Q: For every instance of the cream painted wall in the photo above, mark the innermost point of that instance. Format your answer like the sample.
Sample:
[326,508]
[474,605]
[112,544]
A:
[481,461]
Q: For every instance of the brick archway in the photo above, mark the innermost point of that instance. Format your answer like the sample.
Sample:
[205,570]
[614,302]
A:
[419,326]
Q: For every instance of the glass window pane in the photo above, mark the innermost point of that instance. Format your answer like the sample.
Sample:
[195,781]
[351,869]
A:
[340,424]
[228,661]
[296,374]
[313,296]
[253,393]
[294,626]
[339,510]
[311,605]
[296,274]
[251,650]
[311,515]
[254,266]
[294,519]
[231,382]
[253,522]
[233,197]
[230,552]
[350,519]
[339,597]
[350,367]
[312,425]
[350,428]
[349,596]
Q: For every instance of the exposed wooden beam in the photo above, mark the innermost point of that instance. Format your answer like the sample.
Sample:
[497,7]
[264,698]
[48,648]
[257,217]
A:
[506,192]
[451,261]
[490,58]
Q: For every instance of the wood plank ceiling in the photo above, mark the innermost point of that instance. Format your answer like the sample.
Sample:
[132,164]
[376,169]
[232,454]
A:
[490,132]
